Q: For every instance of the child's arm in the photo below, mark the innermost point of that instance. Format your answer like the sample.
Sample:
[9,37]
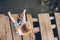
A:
[12,19]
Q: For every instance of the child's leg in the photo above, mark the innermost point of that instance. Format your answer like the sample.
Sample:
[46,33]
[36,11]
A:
[12,19]
[24,17]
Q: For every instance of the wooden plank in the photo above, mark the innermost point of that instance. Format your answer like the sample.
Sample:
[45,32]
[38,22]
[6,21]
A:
[31,35]
[29,18]
[15,36]
[2,28]
[8,29]
[26,37]
[36,29]
[42,27]
[53,26]
[35,19]
[46,26]
[56,38]
[57,17]
[51,18]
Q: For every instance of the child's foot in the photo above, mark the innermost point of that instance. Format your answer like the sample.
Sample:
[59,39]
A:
[24,11]
[9,13]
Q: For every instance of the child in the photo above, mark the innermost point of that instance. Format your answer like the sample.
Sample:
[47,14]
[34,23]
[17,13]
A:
[21,28]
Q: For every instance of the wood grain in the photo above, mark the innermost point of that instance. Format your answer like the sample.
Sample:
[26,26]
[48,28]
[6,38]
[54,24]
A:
[45,26]
[2,27]
[8,29]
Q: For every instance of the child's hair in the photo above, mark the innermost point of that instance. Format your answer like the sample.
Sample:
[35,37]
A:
[26,28]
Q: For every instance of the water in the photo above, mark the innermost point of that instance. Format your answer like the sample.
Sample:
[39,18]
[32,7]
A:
[17,6]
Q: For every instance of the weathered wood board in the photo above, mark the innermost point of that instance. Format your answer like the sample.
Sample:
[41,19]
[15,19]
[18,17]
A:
[2,27]
[29,18]
[8,29]
[45,26]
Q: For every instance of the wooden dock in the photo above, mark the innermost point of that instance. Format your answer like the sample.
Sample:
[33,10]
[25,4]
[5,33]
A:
[45,28]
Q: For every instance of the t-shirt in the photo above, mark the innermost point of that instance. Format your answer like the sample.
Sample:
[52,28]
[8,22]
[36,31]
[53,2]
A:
[19,32]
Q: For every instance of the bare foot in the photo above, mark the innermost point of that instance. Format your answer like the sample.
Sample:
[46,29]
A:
[24,11]
[9,13]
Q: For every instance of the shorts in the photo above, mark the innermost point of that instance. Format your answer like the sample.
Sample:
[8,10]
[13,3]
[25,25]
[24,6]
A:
[16,23]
